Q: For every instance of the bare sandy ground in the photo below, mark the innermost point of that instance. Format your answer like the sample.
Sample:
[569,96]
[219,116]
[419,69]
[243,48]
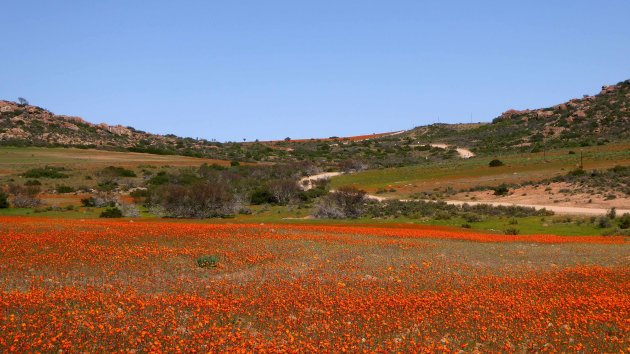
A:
[463,153]
[306,183]
[562,198]
[568,210]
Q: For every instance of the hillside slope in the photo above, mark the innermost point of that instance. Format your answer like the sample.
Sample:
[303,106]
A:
[26,125]
[585,121]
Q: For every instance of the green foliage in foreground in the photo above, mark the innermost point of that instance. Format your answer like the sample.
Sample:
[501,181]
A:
[210,261]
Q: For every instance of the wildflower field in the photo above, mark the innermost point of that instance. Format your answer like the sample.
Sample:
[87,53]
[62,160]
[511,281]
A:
[110,286]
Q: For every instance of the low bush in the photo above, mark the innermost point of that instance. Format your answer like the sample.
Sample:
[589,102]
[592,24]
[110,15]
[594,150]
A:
[45,172]
[4,200]
[199,200]
[64,189]
[345,202]
[262,196]
[512,231]
[211,261]
[501,190]
[25,196]
[604,222]
[495,163]
[624,221]
[113,171]
[111,213]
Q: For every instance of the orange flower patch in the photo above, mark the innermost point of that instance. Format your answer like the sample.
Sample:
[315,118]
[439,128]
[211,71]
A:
[111,286]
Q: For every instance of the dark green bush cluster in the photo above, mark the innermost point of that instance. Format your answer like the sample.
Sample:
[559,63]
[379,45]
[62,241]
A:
[46,172]
[209,261]
[64,189]
[501,190]
[117,172]
[111,213]
[495,163]
[4,200]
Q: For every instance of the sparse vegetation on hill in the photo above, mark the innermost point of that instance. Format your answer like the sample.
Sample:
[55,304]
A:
[597,181]
[585,121]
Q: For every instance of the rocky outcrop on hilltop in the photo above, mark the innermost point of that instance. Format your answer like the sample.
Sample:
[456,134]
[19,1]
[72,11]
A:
[28,125]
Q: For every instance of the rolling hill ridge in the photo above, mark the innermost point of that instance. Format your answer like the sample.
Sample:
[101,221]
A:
[585,121]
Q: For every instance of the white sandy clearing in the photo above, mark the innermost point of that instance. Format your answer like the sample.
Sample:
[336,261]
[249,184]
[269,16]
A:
[463,153]
[306,183]
[563,210]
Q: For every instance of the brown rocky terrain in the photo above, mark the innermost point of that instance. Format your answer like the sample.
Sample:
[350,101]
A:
[35,126]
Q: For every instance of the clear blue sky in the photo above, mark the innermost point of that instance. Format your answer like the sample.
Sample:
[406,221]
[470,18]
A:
[270,69]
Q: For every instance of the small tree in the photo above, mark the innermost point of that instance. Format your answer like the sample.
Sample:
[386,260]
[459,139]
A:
[612,213]
[283,190]
[25,196]
[199,200]
[345,202]
[22,101]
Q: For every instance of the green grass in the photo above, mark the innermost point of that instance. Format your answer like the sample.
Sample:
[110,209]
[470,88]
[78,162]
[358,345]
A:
[463,174]
[84,163]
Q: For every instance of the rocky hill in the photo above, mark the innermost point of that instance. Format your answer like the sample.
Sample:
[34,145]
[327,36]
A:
[26,125]
[589,120]
[582,121]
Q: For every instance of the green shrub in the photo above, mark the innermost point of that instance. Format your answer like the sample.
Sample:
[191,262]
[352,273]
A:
[88,202]
[111,213]
[512,231]
[64,189]
[495,163]
[211,261]
[32,182]
[604,222]
[117,172]
[46,172]
[624,221]
[4,201]
[262,196]
[501,190]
